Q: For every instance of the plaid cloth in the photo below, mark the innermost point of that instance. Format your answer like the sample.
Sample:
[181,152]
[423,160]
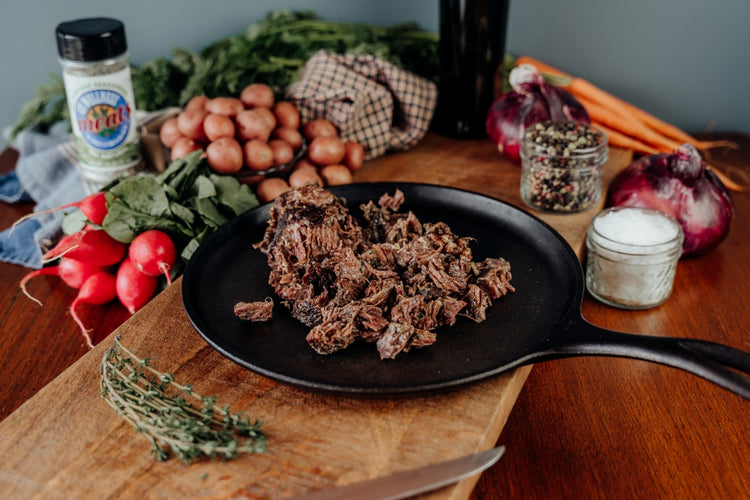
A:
[371,101]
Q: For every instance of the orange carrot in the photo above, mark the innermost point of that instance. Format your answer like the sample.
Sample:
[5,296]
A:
[620,140]
[583,89]
[727,181]
[541,66]
[626,124]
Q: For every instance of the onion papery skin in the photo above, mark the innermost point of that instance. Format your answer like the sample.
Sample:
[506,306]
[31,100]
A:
[679,184]
[531,100]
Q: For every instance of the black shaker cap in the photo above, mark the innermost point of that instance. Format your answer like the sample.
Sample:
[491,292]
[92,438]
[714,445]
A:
[91,39]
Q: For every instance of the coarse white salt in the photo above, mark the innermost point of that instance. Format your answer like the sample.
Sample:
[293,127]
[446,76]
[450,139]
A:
[636,227]
[632,256]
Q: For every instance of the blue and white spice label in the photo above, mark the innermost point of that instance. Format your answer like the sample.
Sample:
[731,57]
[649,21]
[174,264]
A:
[102,115]
[103,118]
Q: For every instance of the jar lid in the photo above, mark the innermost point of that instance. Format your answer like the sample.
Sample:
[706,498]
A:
[91,39]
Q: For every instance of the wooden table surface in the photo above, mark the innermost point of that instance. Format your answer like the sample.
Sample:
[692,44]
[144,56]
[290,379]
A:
[580,428]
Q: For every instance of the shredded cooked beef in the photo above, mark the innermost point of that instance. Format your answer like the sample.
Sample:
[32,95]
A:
[391,280]
[261,310]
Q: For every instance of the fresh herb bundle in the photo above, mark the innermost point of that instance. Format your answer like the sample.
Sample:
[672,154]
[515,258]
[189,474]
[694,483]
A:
[139,393]
[271,51]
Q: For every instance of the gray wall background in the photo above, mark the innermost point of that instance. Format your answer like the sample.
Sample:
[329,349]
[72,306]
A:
[684,60]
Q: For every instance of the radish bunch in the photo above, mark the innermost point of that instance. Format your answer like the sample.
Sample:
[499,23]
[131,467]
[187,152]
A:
[136,228]
[104,269]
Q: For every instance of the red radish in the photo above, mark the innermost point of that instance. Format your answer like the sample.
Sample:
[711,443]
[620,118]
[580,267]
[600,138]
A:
[98,289]
[90,245]
[153,252]
[93,206]
[73,272]
[134,289]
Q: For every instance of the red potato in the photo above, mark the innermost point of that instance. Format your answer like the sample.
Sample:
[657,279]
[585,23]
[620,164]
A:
[303,176]
[183,147]
[267,115]
[153,253]
[190,124]
[197,102]
[289,135]
[325,150]
[354,155]
[251,125]
[250,180]
[225,156]
[229,106]
[169,133]
[258,155]
[133,288]
[304,163]
[270,188]
[336,175]
[320,127]
[98,289]
[287,114]
[216,126]
[282,152]
[257,95]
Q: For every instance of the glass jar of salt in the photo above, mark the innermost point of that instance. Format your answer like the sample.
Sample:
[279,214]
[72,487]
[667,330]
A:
[632,257]
[562,165]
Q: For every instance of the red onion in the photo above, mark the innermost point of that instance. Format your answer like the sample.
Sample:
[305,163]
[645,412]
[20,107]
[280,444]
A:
[679,184]
[532,100]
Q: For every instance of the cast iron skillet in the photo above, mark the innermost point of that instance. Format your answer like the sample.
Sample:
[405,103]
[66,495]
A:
[541,321]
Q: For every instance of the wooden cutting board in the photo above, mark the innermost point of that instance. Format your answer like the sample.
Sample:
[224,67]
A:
[66,442]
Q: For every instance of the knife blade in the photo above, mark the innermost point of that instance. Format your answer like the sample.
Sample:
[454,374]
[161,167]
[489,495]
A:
[411,482]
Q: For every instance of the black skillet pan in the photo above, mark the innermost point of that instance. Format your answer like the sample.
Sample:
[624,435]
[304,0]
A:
[540,321]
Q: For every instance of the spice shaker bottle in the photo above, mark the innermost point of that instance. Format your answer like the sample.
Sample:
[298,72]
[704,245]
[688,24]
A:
[99,91]
[632,256]
[562,165]
[471,51]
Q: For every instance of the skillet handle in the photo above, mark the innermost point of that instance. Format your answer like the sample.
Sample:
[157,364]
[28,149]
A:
[725,366]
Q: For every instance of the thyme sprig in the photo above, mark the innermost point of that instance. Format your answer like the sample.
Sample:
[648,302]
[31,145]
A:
[160,408]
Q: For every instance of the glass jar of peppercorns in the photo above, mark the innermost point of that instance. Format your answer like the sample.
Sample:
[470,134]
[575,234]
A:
[562,165]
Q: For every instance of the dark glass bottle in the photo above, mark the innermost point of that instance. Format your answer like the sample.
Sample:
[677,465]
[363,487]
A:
[471,50]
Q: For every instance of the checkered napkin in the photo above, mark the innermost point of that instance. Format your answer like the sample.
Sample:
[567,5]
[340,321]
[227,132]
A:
[371,101]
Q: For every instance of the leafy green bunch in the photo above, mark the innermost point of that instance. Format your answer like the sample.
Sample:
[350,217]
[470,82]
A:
[188,201]
[270,51]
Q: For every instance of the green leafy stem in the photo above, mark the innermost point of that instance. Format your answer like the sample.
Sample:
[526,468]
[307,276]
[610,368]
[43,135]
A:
[270,51]
[173,416]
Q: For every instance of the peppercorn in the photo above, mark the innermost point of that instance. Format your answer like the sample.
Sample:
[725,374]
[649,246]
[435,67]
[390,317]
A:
[562,165]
